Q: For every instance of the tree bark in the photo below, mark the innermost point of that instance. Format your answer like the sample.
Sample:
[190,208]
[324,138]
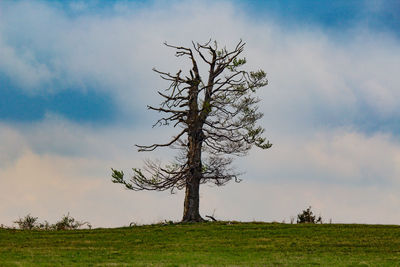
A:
[195,140]
[192,196]
[192,199]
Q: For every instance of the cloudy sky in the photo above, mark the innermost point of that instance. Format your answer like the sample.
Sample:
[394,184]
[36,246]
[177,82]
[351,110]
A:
[75,78]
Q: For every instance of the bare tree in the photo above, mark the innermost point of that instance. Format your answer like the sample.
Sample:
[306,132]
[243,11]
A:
[217,120]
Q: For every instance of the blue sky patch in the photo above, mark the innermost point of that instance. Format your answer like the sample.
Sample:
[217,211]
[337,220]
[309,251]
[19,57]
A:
[340,14]
[77,105]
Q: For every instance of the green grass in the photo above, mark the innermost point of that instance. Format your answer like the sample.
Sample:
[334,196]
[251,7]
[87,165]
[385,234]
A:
[206,244]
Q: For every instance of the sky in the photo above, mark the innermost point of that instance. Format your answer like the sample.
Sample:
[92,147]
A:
[76,76]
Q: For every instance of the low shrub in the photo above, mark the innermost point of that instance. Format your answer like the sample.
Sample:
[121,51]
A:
[67,222]
[307,216]
[27,223]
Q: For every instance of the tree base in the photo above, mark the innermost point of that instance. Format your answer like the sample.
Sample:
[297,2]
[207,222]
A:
[196,218]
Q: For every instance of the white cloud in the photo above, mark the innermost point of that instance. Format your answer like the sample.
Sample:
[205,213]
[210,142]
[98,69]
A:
[54,167]
[23,67]
[342,157]
[13,145]
[343,175]
[50,186]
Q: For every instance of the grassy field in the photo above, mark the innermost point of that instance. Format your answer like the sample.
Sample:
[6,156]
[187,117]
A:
[206,244]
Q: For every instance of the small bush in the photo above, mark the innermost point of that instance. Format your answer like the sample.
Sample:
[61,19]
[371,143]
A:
[47,226]
[69,223]
[307,216]
[27,223]
[66,223]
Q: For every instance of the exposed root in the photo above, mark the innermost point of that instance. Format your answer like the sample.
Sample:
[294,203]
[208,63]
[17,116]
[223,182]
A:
[211,217]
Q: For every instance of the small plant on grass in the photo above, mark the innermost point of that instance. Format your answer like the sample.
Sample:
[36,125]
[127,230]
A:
[69,223]
[46,226]
[307,216]
[27,223]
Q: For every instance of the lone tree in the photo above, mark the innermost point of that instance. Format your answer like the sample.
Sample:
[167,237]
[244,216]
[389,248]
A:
[217,118]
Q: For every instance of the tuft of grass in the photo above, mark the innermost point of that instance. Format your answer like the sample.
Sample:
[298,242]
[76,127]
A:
[206,244]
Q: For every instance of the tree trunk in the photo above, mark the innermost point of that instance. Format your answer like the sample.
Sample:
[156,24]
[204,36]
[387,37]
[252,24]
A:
[192,199]
[192,196]
[195,139]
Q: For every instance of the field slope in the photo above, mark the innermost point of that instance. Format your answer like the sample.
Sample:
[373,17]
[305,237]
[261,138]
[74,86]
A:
[206,244]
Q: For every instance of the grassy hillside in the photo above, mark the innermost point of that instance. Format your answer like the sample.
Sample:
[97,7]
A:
[207,244]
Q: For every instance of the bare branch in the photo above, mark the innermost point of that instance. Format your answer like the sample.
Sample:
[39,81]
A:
[154,146]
